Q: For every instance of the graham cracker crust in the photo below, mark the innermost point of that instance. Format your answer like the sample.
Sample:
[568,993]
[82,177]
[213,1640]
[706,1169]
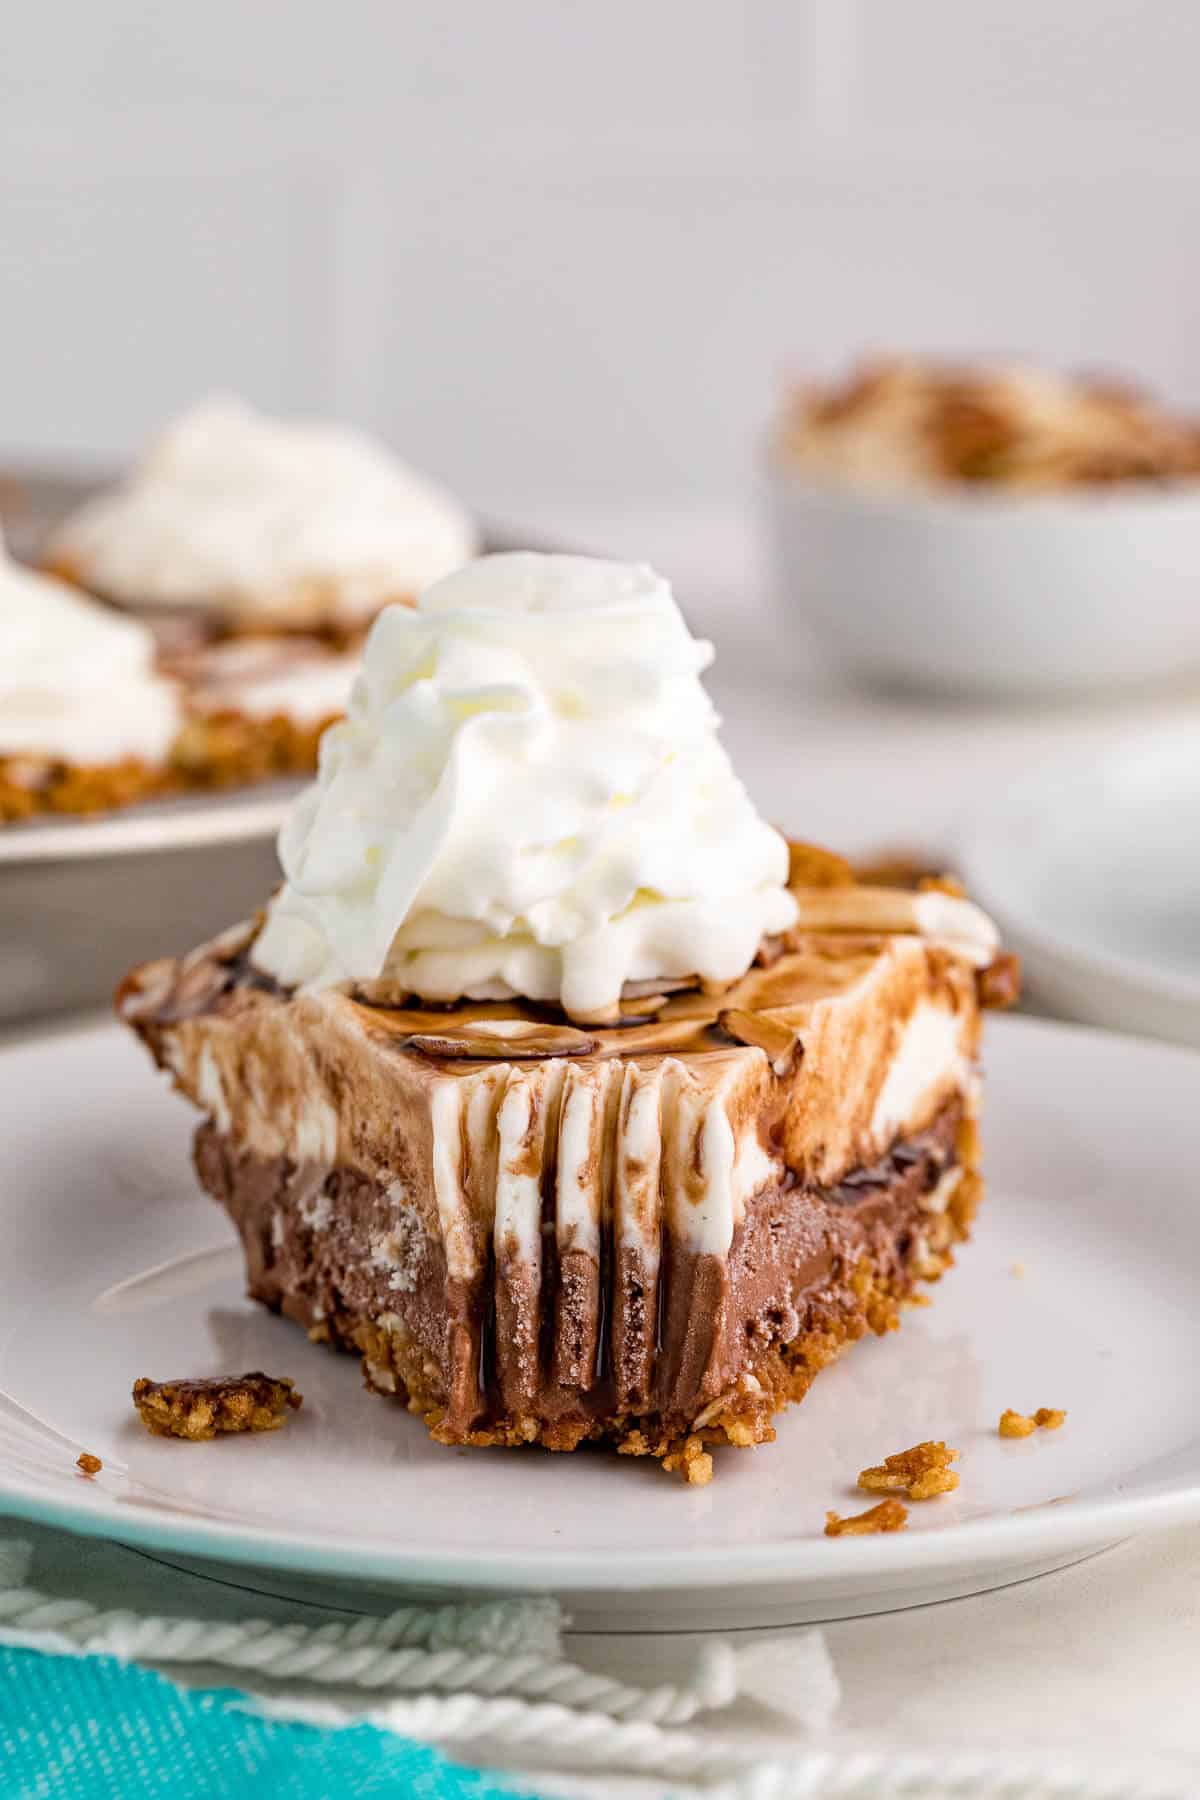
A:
[33,786]
[225,750]
[231,749]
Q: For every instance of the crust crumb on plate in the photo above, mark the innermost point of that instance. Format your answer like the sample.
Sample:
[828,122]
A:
[87,1464]
[693,1462]
[201,1408]
[922,1472]
[889,1515]
[1019,1425]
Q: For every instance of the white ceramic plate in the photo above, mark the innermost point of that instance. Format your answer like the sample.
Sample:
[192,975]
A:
[116,1266]
[1093,870]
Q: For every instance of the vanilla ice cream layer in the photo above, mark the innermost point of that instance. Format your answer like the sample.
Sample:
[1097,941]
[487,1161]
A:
[77,681]
[296,522]
[528,796]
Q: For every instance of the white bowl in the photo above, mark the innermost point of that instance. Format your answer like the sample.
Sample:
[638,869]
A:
[991,593]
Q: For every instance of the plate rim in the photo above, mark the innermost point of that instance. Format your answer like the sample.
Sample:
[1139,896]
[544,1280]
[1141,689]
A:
[1000,1540]
[1006,1541]
[983,839]
[191,823]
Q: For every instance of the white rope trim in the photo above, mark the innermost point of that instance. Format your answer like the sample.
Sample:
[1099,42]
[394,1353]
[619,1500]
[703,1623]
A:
[969,1775]
[593,1739]
[509,1647]
[746,1768]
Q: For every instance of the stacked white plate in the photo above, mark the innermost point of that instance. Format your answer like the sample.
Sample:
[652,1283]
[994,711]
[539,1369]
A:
[1092,867]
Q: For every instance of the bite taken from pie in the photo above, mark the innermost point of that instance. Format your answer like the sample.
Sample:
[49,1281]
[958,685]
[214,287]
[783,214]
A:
[553,1081]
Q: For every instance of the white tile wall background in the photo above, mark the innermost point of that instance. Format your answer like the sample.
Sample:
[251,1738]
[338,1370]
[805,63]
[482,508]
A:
[564,252]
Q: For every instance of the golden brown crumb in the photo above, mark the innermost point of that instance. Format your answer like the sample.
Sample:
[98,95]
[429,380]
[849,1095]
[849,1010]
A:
[933,1483]
[889,1515]
[1017,1269]
[1020,1425]
[693,1462]
[942,884]
[999,984]
[87,1463]
[201,1408]
[922,1472]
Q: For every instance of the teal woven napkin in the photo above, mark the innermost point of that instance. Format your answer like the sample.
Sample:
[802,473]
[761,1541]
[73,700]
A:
[90,1728]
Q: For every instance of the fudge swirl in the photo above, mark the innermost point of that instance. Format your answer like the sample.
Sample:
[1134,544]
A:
[527,797]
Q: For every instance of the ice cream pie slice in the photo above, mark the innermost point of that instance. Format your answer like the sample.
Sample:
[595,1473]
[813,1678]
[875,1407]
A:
[551,1083]
[257,707]
[87,719]
[234,522]
[94,714]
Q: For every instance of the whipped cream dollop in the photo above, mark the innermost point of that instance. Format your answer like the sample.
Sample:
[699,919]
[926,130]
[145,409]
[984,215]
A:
[304,522]
[528,796]
[77,680]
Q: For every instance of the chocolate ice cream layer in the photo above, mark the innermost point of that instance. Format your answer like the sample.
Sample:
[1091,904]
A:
[600,1343]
